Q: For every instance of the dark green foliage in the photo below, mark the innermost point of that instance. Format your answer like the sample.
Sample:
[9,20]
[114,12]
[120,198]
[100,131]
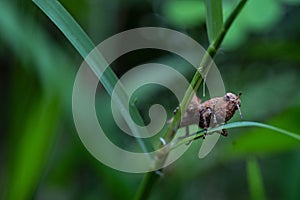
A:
[41,154]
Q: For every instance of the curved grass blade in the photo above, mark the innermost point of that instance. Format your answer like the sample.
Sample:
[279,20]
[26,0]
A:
[82,43]
[199,134]
[214,18]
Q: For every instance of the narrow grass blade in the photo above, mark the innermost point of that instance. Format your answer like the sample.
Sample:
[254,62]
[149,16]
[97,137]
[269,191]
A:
[82,43]
[214,18]
[235,125]
[34,144]
[255,181]
[262,125]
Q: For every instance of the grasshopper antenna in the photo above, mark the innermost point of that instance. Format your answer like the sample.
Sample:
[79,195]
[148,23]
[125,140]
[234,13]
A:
[241,116]
[238,106]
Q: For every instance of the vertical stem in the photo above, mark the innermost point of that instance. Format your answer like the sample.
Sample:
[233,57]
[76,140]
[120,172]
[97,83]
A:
[151,178]
[147,185]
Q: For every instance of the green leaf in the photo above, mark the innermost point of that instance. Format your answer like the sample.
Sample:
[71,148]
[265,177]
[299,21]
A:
[37,52]
[34,144]
[261,125]
[82,43]
[255,180]
[214,18]
[259,141]
[78,38]
[236,125]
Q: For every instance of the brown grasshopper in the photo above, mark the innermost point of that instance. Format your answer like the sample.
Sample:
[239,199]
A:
[211,113]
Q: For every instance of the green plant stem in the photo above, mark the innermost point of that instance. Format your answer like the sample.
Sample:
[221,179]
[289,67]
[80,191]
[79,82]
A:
[147,185]
[150,178]
[203,68]
[199,134]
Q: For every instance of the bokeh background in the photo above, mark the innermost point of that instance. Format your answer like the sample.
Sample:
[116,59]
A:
[41,154]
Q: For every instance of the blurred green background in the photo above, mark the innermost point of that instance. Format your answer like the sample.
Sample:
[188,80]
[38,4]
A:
[41,154]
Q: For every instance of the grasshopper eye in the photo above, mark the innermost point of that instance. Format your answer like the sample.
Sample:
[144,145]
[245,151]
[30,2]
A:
[226,97]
